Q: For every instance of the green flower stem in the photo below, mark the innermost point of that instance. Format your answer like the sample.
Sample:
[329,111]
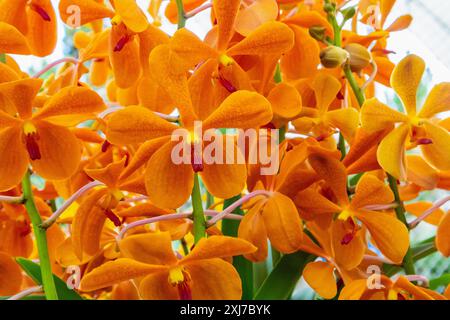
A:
[355,87]
[181,15]
[2,58]
[341,146]
[408,261]
[198,215]
[41,240]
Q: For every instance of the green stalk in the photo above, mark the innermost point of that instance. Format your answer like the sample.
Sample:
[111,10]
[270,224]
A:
[181,16]
[198,215]
[341,146]
[355,87]
[2,58]
[41,240]
[408,261]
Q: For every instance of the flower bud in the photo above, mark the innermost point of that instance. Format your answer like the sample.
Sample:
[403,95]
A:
[317,33]
[359,56]
[333,57]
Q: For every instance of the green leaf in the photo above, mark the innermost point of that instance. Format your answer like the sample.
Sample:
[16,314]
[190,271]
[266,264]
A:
[442,281]
[281,282]
[242,265]
[34,271]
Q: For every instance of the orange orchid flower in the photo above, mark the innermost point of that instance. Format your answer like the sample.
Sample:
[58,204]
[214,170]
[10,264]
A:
[149,258]
[416,128]
[100,205]
[370,192]
[43,138]
[401,289]
[28,27]
[318,119]
[169,185]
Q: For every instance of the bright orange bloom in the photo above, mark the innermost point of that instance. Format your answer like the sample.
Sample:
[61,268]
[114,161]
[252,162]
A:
[43,138]
[202,274]
[416,128]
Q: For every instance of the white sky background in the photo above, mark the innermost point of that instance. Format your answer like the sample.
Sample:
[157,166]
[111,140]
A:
[402,42]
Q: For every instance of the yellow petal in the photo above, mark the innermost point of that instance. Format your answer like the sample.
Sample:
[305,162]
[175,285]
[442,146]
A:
[10,277]
[257,13]
[443,236]
[116,271]
[87,225]
[350,255]
[391,152]
[400,23]
[70,106]
[18,96]
[283,224]
[242,109]
[157,287]
[405,81]
[60,152]
[252,229]
[151,248]
[12,41]
[272,38]
[418,208]
[130,13]
[421,173]
[302,60]
[438,152]
[326,87]
[135,125]
[286,102]
[14,159]
[376,116]
[42,32]
[168,185]
[90,11]
[437,101]
[320,276]
[225,11]
[354,290]
[219,247]
[346,120]
[371,190]
[389,234]
[333,172]
[214,279]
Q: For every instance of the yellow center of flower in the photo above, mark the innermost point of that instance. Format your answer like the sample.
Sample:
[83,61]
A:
[226,60]
[345,214]
[117,194]
[392,294]
[179,278]
[29,128]
[116,20]
[176,276]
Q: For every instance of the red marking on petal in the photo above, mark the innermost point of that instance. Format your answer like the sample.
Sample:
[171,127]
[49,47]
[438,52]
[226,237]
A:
[184,291]
[227,85]
[111,216]
[25,229]
[121,43]
[348,237]
[196,159]
[424,141]
[39,10]
[32,146]
[105,146]
[340,96]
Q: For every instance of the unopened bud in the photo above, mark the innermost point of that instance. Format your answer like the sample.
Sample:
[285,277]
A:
[359,56]
[333,57]
[348,13]
[317,33]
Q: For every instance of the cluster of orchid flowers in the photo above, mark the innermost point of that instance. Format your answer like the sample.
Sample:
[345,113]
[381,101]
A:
[135,225]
